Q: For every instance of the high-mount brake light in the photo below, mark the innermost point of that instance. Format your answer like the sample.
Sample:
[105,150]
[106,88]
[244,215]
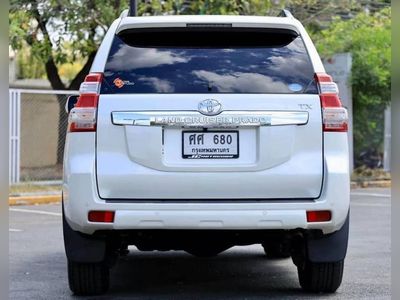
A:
[334,116]
[82,117]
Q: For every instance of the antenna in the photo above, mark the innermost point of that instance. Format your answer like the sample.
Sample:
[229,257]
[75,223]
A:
[133,8]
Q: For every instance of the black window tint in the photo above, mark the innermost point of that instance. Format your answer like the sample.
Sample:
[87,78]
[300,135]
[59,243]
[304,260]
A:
[201,61]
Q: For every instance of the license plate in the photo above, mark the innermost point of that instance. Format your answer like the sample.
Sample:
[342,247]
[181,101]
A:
[210,144]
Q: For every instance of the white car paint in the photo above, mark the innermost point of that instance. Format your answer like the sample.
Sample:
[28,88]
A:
[110,164]
[272,159]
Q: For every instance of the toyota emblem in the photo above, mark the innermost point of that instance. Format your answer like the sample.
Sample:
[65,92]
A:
[210,107]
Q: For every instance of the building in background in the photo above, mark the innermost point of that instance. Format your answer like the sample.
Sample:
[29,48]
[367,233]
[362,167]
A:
[339,67]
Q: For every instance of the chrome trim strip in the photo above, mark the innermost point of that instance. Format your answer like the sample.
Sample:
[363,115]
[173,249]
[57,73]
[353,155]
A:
[193,119]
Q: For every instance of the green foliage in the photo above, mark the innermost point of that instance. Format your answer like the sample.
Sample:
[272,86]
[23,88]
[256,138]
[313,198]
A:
[232,7]
[204,7]
[47,24]
[368,38]
[28,66]
[61,31]
[31,67]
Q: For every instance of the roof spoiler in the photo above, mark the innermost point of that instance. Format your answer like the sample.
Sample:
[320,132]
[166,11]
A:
[285,13]
[132,8]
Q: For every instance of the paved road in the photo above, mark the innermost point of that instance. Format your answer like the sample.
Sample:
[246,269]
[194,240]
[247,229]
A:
[38,264]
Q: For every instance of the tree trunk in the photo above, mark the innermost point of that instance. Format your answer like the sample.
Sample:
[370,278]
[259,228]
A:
[62,127]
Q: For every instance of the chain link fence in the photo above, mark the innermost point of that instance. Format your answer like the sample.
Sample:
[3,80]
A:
[38,124]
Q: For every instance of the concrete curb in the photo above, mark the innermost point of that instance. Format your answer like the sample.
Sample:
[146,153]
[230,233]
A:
[371,184]
[56,198]
[32,200]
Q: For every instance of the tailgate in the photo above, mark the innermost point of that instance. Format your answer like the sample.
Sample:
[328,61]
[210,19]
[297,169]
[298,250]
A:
[145,161]
[209,113]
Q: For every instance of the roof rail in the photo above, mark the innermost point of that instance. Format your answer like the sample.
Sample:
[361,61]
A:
[285,13]
[124,13]
[132,8]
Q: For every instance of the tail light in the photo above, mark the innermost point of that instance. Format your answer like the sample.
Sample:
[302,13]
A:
[334,116]
[83,117]
[101,216]
[319,216]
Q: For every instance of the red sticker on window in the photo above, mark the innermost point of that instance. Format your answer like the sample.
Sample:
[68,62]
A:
[119,83]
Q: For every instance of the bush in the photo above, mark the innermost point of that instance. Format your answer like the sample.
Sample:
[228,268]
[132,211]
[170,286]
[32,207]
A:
[368,38]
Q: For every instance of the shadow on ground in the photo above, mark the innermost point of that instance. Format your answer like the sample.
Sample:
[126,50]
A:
[231,275]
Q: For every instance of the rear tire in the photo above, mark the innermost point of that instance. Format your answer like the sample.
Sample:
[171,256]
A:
[88,278]
[321,277]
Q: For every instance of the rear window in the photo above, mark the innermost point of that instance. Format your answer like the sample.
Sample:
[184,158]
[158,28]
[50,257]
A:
[208,61]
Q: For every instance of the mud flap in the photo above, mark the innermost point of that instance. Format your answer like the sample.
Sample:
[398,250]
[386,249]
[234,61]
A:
[331,247]
[80,248]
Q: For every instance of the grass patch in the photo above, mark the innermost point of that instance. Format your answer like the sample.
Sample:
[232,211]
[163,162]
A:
[33,188]
[366,174]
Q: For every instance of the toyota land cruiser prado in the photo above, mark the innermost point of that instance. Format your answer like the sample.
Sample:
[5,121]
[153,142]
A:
[200,133]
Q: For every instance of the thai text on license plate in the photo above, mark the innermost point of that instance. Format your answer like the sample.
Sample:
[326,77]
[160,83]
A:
[210,144]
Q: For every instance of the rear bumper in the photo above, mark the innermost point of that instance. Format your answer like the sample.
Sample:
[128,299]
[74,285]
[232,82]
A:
[81,196]
[209,219]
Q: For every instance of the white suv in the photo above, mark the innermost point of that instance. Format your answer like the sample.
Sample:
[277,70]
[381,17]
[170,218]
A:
[199,133]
